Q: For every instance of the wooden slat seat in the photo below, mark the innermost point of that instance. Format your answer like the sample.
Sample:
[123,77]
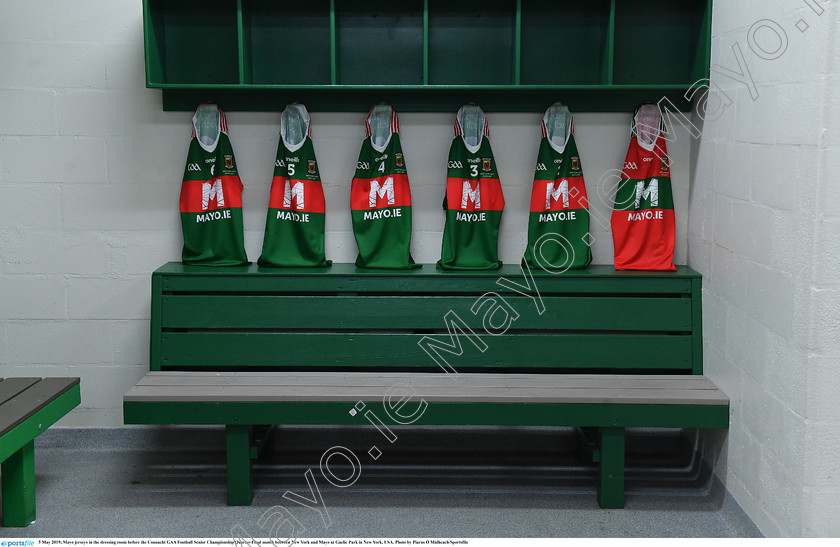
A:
[198,387]
[28,406]
[248,347]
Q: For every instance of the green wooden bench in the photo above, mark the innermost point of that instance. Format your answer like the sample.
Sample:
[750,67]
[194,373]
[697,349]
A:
[250,347]
[28,406]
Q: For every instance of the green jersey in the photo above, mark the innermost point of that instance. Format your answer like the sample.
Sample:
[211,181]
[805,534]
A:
[211,194]
[294,228]
[473,201]
[380,197]
[558,224]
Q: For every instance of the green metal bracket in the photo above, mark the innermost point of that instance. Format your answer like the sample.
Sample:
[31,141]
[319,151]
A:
[589,450]
[263,441]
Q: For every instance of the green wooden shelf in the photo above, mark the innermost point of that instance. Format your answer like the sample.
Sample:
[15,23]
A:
[425,55]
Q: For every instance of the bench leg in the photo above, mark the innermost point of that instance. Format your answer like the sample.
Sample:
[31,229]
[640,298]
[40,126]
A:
[239,487]
[19,487]
[611,479]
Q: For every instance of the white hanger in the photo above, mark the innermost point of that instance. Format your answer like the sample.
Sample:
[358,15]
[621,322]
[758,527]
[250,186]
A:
[471,118]
[558,125]
[294,126]
[380,126]
[207,124]
[647,123]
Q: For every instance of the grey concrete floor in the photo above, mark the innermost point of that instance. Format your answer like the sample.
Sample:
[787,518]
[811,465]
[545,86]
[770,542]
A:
[486,482]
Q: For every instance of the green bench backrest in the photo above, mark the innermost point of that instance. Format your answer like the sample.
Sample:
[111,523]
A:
[257,318]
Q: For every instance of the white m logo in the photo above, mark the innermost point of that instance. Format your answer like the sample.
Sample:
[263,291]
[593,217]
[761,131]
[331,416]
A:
[652,190]
[386,190]
[468,194]
[550,193]
[293,193]
[212,193]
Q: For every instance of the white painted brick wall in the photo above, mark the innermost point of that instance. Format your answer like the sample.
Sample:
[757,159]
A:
[792,234]
[825,314]
[133,252]
[745,342]
[26,21]
[829,194]
[822,468]
[60,342]
[767,190]
[761,112]
[131,342]
[126,112]
[827,251]
[823,402]
[28,111]
[82,65]
[822,505]
[100,21]
[141,206]
[775,498]
[4,343]
[53,252]
[33,297]
[779,190]
[108,298]
[785,379]
[68,160]
[732,178]
[769,296]
[17,203]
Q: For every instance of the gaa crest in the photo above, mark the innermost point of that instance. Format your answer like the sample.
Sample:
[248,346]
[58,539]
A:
[398,157]
[663,164]
[485,164]
[311,167]
[575,163]
[228,161]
